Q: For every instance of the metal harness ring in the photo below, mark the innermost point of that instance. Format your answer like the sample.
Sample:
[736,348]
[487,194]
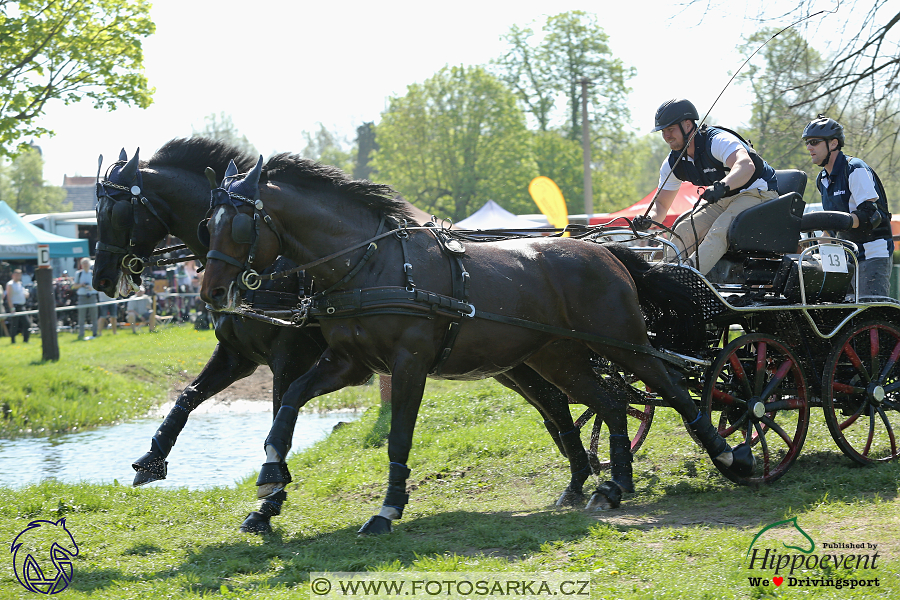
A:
[251,279]
[134,264]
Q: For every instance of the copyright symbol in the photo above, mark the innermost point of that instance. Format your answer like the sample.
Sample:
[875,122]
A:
[320,586]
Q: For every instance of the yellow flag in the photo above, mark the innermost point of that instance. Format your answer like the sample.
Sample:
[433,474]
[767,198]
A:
[549,199]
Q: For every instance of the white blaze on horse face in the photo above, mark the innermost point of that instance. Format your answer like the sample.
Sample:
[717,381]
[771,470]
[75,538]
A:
[217,217]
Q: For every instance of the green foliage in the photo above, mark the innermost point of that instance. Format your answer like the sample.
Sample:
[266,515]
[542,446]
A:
[456,141]
[484,477]
[330,148]
[69,50]
[220,127]
[109,378]
[23,188]
[539,69]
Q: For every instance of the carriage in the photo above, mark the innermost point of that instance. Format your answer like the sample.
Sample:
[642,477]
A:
[777,340]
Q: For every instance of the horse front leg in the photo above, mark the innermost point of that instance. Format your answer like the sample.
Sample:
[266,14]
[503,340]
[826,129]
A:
[330,373]
[224,367]
[408,379]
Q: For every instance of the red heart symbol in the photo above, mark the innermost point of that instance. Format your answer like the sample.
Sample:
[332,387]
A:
[778,580]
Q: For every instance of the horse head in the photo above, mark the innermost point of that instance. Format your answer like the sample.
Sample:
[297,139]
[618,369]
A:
[240,235]
[121,257]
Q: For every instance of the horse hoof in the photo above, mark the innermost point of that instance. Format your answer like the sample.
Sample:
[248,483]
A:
[376,525]
[607,497]
[571,499]
[256,523]
[743,463]
[148,468]
[267,490]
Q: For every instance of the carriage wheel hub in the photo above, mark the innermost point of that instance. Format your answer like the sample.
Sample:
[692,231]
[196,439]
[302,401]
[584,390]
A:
[757,408]
[876,393]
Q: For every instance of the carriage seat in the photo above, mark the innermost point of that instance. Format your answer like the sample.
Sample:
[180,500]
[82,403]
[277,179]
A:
[773,226]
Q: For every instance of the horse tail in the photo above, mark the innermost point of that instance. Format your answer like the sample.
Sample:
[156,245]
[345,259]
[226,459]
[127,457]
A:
[670,308]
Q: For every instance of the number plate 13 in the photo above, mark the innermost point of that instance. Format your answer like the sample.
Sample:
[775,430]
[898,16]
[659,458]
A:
[834,260]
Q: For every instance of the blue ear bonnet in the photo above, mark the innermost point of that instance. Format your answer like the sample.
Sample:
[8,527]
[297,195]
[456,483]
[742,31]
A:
[248,187]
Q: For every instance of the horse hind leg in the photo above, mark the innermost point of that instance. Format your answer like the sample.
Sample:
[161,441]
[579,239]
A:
[653,372]
[553,405]
[568,366]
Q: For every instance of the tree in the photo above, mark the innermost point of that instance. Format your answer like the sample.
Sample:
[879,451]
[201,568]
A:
[572,47]
[23,188]
[221,128]
[776,123]
[329,148]
[69,50]
[456,141]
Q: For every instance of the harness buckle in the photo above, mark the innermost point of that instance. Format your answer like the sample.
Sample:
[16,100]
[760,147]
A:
[407,267]
[471,315]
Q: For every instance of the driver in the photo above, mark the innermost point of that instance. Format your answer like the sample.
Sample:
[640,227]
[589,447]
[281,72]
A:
[847,184]
[735,176]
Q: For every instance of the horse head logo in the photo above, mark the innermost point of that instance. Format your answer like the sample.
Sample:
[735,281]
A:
[792,522]
[40,541]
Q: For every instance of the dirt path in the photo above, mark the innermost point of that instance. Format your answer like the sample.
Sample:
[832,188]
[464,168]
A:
[255,389]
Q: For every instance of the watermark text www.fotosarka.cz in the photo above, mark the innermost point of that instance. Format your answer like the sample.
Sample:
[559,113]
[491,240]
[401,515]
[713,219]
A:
[522,586]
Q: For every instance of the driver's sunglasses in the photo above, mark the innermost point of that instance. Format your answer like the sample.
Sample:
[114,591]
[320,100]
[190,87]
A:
[814,142]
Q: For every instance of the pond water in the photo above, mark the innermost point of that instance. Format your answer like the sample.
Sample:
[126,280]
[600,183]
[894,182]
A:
[216,448]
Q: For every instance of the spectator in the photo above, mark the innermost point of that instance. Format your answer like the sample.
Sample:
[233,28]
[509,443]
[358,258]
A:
[16,295]
[107,312]
[138,310]
[87,297]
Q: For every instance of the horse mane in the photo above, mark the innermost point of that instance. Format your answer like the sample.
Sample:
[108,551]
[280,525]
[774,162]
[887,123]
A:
[196,153]
[303,172]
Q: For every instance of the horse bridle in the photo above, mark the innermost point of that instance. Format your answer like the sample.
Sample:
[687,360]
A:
[124,216]
[244,230]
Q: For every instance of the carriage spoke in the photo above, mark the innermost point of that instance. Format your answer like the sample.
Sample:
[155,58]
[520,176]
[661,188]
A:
[776,379]
[844,388]
[768,420]
[853,417]
[874,348]
[584,418]
[739,374]
[726,398]
[855,361]
[893,387]
[890,431]
[765,448]
[759,376]
[891,361]
[871,435]
[640,415]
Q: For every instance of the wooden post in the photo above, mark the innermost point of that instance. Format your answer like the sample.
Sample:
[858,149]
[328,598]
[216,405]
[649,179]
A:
[586,149]
[384,383]
[151,324]
[46,305]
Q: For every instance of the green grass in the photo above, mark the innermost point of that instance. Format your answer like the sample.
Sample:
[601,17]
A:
[99,381]
[484,478]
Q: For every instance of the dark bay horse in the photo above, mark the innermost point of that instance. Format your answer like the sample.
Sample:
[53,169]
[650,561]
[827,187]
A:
[173,198]
[388,307]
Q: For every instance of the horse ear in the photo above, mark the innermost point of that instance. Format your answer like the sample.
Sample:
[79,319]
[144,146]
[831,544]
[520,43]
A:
[122,155]
[249,185]
[128,171]
[211,177]
[232,170]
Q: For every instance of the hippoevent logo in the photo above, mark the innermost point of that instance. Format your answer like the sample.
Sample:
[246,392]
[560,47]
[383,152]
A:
[42,547]
[804,564]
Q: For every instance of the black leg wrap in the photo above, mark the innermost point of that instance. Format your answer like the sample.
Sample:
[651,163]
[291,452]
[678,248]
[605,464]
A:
[554,435]
[607,496]
[714,443]
[282,431]
[152,466]
[274,472]
[621,457]
[396,495]
[376,525]
[171,426]
[271,506]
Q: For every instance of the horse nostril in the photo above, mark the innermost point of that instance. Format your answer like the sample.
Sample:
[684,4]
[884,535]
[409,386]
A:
[218,294]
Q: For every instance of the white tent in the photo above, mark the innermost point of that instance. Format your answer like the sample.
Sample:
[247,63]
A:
[493,216]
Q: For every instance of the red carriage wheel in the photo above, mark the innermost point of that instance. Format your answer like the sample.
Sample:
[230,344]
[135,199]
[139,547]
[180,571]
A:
[756,393]
[861,392]
[598,452]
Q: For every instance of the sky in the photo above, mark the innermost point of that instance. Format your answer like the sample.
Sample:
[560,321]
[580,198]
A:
[279,68]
